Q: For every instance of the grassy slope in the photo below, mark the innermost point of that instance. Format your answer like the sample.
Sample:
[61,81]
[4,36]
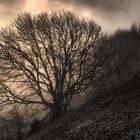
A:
[114,117]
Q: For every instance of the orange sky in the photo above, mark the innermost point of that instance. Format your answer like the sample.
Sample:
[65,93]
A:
[35,6]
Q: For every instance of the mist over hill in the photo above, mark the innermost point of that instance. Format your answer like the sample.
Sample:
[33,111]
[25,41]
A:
[64,77]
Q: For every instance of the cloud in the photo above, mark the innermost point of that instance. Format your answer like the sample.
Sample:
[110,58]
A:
[35,6]
[102,4]
[9,10]
[10,2]
[111,14]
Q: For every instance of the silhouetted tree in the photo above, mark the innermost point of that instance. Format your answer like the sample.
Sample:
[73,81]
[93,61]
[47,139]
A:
[125,51]
[48,58]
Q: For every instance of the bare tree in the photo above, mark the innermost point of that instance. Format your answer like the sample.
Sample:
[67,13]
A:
[47,59]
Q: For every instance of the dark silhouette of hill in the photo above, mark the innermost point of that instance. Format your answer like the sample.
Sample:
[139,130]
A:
[115,116]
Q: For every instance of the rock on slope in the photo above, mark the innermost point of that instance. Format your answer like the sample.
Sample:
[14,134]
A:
[114,117]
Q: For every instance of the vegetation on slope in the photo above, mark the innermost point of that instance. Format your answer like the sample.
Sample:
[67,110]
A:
[116,116]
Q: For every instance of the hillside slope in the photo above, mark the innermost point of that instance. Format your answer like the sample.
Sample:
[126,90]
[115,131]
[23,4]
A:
[113,117]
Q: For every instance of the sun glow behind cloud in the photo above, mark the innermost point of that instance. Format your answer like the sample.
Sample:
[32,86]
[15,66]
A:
[109,14]
[35,6]
[38,6]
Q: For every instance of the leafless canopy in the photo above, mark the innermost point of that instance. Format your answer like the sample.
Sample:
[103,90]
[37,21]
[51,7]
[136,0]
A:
[48,58]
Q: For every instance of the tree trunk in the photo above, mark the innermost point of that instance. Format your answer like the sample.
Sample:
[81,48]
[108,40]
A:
[57,112]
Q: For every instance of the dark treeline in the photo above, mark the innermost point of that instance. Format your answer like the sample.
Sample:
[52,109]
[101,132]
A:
[47,61]
[124,60]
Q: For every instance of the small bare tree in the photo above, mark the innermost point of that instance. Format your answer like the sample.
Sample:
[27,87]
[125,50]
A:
[47,59]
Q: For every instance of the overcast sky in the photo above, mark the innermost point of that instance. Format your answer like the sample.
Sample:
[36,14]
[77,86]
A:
[110,14]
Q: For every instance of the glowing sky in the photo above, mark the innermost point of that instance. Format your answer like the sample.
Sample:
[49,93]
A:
[110,14]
